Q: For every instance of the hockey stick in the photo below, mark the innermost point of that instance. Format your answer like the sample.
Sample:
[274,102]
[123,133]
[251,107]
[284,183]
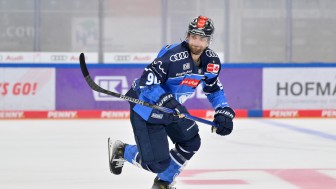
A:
[97,88]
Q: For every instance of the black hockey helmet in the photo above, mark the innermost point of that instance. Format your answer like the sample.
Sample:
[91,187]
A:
[201,26]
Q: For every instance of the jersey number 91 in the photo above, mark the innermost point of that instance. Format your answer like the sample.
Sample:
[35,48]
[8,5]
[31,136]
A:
[152,79]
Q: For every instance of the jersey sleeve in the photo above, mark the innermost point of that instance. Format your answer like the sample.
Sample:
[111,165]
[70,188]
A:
[215,93]
[212,86]
[153,75]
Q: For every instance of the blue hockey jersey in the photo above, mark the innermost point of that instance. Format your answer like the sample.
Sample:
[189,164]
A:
[174,71]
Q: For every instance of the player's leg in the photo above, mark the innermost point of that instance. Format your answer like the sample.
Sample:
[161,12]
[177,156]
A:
[180,155]
[151,151]
[187,142]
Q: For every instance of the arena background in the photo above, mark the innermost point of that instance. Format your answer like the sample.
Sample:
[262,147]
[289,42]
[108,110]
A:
[278,56]
[278,59]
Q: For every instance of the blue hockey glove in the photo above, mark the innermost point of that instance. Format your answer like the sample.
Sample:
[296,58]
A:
[223,117]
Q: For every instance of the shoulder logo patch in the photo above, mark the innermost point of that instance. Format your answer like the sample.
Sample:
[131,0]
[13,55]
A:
[213,68]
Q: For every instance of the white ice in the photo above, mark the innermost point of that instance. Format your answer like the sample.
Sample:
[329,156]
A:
[72,154]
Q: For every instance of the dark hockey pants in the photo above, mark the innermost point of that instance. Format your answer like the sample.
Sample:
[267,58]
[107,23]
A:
[153,146]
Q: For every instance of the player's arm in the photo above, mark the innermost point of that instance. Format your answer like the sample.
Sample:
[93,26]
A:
[150,86]
[223,113]
[153,75]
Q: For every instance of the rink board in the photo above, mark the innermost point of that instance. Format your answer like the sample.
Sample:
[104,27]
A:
[124,114]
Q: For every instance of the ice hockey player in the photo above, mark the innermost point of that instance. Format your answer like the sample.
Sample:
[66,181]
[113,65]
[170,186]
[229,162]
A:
[168,81]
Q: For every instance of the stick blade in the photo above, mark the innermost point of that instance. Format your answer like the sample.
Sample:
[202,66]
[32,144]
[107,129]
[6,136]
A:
[83,65]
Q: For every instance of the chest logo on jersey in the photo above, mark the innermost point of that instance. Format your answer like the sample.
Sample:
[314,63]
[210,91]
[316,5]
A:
[190,82]
[213,68]
[179,56]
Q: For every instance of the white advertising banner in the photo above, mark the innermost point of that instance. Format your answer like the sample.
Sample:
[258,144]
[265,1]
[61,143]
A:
[27,89]
[66,57]
[18,57]
[299,88]
[73,57]
[135,57]
[46,57]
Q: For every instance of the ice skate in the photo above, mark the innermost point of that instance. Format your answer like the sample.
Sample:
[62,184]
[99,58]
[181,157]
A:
[116,153]
[160,184]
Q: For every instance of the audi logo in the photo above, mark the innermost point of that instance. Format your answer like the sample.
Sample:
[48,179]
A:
[211,53]
[179,56]
[59,58]
[122,58]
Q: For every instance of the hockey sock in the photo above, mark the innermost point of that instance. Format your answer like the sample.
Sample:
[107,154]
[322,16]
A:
[179,160]
[130,152]
[131,155]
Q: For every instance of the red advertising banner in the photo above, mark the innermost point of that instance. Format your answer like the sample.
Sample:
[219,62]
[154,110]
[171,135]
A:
[124,114]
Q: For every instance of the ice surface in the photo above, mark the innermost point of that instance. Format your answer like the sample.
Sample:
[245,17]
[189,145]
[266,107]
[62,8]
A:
[259,154]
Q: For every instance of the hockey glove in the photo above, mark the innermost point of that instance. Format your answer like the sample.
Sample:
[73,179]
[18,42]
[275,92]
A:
[223,117]
[168,101]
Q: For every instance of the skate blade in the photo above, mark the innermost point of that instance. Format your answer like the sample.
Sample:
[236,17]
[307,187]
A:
[110,150]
